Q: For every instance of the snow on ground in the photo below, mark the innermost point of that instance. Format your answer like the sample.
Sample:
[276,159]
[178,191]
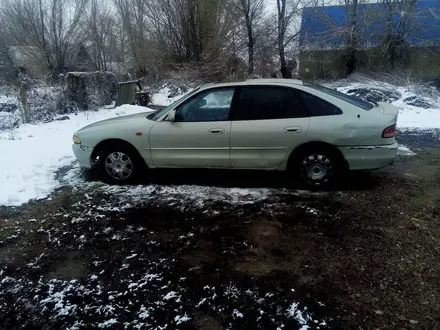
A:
[405,151]
[419,119]
[33,153]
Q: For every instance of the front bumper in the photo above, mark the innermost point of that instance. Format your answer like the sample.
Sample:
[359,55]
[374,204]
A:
[369,157]
[83,154]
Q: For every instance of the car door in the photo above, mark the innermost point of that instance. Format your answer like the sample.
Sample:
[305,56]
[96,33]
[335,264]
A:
[200,134]
[268,122]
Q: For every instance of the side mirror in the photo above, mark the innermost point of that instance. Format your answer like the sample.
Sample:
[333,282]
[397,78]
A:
[202,103]
[172,115]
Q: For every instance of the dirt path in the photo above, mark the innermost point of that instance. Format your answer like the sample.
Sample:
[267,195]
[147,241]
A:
[364,256]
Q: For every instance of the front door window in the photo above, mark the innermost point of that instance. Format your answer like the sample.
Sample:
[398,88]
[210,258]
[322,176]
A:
[211,105]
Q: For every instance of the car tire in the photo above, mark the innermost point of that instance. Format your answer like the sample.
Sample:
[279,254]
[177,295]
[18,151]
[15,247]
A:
[119,164]
[317,167]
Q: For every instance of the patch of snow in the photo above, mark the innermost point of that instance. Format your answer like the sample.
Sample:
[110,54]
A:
[405,151]
[143,313]
[134,255]
[301,316]
[181,319]
[37,152]
[107,324]
[77,326]
[312,211]
[236,313]
[34,264]
[201,302]
[171,295]
[199,196]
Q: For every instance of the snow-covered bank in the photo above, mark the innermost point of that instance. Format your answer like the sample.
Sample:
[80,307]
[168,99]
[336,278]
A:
[419,119]
[419,105]
[33,153]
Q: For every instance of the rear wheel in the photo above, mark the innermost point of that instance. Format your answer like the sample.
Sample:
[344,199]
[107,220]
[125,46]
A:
[119,165]
[317,167]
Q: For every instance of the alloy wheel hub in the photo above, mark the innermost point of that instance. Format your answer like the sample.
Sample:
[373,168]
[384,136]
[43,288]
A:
[119,166]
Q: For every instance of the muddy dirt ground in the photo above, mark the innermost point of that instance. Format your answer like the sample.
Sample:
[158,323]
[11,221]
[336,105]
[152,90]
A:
[365,255]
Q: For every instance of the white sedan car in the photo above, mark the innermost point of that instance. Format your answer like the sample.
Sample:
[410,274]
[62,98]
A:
[308,130]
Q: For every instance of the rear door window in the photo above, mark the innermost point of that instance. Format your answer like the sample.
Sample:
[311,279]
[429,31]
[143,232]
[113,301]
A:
[317,107]
[344,97]
[268,102]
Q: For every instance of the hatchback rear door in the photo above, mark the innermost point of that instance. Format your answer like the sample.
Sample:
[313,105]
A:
[268,122]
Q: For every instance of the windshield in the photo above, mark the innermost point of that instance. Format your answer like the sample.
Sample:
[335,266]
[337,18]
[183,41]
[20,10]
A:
[156,115]
[347,98]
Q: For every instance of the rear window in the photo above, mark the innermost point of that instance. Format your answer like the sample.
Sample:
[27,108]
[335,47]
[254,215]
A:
[317,107]
[344,97]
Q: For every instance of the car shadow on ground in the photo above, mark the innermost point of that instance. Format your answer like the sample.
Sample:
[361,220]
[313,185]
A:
[354,180]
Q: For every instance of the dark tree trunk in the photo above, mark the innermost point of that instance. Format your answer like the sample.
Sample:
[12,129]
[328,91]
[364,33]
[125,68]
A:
[351,62]
[353,38]
[250,49]
[247,11]
[286,72]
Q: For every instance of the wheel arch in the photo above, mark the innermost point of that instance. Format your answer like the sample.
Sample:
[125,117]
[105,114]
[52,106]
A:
[315,145]
[100,147]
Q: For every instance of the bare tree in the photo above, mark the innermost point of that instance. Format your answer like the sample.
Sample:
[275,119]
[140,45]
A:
[8,70]
[352,37]
[194,32]
[252,12]
[46,29]
[287,10]
[100,26]
[134,18]
[394,41]
[348,36]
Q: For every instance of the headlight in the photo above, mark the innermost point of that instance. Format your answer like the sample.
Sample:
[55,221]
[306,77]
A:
[76,140]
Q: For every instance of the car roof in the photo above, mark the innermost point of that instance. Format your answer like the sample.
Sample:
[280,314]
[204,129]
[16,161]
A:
[251,82]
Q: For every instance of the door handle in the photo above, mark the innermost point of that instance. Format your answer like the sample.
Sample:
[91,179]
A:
[216,131]
[291,130]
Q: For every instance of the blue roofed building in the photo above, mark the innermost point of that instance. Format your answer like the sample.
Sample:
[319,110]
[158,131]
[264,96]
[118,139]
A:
[387,36]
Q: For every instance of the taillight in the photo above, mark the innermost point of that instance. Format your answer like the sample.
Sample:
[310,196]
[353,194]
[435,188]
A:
[389,132]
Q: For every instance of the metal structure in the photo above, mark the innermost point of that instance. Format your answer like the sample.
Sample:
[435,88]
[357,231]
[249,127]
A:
[131,92]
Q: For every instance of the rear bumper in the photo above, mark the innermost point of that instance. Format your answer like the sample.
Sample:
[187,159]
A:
[369,157]
[83,154]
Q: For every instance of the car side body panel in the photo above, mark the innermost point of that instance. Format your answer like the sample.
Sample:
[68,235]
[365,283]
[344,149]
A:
[191,144]
[264,144]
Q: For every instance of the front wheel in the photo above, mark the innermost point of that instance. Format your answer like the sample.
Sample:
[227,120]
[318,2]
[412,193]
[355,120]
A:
[118,165]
